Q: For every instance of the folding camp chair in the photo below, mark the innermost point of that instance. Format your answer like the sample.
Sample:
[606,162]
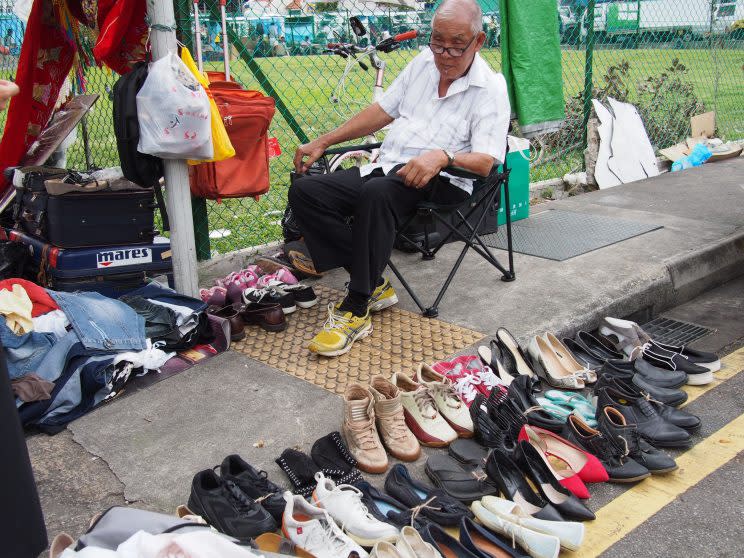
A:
[462,221]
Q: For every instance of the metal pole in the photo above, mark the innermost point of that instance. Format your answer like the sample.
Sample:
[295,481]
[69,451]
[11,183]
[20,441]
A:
[163,38]
[588,65]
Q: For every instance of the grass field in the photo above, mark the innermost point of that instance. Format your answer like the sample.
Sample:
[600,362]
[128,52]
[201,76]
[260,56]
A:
[305,84]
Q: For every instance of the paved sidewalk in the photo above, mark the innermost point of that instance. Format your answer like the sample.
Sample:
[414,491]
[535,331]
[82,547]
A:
[146,447]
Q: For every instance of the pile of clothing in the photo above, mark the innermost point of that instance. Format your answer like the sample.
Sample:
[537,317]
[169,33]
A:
[68,352]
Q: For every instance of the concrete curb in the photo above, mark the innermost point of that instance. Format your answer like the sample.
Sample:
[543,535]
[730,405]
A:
[679,279]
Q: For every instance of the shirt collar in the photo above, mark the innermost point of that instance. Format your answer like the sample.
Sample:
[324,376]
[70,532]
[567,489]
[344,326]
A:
[476,76]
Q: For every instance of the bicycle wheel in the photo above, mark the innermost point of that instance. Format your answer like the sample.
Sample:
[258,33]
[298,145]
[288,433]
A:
[350,159]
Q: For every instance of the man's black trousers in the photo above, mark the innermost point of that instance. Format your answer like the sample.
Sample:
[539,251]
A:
[377,203]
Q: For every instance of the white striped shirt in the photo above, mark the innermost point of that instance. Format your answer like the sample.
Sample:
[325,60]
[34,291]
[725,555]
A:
[473,117]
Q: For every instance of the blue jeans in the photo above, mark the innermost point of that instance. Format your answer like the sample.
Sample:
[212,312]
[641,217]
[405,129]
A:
[24,352]
[102,323]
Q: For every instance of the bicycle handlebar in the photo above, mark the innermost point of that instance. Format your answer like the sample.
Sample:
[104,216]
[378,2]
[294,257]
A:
[406,36]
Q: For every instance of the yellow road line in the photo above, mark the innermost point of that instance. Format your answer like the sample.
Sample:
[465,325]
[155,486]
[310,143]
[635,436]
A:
[731,365]
[638,504]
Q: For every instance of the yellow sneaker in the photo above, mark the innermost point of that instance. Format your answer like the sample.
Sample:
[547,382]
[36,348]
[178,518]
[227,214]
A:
[339,332]
[382,297]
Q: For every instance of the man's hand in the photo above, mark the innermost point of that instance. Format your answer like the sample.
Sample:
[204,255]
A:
[312,151]
[8,89]
[420,170]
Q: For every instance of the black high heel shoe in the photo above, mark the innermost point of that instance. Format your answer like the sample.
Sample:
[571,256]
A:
[544,479]
[506,474]
[521,392]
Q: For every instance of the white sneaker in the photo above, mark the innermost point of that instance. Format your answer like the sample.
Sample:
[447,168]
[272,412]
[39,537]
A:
[315,532]
[344,504]
[411,545]
[570,533]
[537,545]
[448,403]
[421,413]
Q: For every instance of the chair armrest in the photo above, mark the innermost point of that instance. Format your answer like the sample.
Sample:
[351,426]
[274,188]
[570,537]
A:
[464,173]
[347,148]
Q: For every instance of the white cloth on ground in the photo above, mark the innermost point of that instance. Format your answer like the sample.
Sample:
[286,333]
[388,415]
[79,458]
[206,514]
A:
[55,322]
[195,544]
[151,358]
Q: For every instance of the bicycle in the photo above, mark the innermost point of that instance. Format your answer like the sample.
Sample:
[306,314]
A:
[352,53]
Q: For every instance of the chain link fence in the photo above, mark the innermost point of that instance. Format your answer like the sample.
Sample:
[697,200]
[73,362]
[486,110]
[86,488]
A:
[672,58]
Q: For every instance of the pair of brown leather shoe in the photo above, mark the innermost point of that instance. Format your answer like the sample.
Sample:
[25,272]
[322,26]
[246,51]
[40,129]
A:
[268,315]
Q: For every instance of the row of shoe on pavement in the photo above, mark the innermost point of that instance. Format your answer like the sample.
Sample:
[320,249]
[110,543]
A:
[343,520]
[252,297]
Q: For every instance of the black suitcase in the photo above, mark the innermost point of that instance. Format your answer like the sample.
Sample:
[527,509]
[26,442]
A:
[81,219]
[110,270]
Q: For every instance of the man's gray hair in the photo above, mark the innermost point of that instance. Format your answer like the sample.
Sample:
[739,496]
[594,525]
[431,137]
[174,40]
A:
[451,8]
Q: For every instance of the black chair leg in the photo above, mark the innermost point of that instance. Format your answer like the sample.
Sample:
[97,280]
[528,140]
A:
[407,287]
[511,276]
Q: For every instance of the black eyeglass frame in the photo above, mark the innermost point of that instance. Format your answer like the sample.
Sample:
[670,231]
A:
[458,50]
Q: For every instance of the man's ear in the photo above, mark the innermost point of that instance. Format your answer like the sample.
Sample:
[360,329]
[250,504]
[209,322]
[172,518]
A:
[480,40]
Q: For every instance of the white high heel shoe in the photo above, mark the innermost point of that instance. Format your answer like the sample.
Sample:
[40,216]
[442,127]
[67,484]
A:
[548,365]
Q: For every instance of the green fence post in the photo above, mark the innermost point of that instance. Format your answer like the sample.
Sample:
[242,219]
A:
[199,214]
[588,65]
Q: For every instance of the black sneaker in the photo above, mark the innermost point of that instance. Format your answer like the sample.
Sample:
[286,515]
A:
[433,503]
[612,424]
[653,375]
[227,508]
[697,375]
[304,295]
[620,467]
[272,295]
[255,484]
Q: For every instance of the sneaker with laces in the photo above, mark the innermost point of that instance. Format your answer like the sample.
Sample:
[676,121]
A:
[304,295]
[339,332]
[254,483]
[313,530]
[344,504]
[391,423]
[359,430]
[227,508]
[445,397]
[286,300]
[469,377]
[382,297]
[421,413]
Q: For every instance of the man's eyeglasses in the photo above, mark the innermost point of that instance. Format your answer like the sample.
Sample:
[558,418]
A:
[454,52]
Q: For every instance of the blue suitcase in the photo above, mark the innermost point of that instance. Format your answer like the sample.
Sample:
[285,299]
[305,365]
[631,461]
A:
[111,270]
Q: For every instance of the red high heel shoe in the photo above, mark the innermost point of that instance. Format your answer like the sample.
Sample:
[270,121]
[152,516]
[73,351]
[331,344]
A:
[581,466]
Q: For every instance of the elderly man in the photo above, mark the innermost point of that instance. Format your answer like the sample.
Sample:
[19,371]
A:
[447,107]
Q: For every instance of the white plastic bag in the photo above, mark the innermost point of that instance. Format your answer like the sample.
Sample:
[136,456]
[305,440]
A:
[173,113]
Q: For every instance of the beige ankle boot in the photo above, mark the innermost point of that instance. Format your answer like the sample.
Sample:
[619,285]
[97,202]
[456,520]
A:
[360,432]
[391,424]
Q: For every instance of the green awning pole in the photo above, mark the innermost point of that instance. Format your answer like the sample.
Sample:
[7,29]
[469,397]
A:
[588,64]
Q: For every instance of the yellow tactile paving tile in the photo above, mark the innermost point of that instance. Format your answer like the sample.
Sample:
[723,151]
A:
[400,340]
[638,504]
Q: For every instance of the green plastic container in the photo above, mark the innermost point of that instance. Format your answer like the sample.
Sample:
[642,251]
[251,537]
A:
[519,186]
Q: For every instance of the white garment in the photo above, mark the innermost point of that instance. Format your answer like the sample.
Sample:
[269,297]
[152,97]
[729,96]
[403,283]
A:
[149,359]
[55,322]
[196,544]
[473,117]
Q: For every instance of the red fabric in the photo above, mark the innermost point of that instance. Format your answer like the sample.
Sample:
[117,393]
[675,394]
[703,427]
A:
[46,58]
[41,300]
[122,35]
